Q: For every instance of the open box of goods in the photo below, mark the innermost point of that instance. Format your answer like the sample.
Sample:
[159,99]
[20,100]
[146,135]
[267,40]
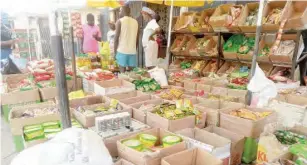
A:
[135,74]
[20,98]
[189,21]
[266,68]
[298,15]
[237,142]
[227,68]
[175,48]
[18,82]
[205,46]
[39,133]
[112,87]
[115,127]
[211,67]
[86,114]
[134,100]
[148,147]
[90,76]
[219,20]
[81,98]
[286,143]
[126,95]
[174,117]
[281,75]
[217,145]
[234,17]
[205,16]
[173,93]
[284,52]
[213,108]
[123,162]
[274,13]
[147,85]
[41,70]
[195,156]
[175,65]
[232,45]
[265,49]
[185,45]
[140,109]
[32,114]
[238,79]
[246,49]
[248,19]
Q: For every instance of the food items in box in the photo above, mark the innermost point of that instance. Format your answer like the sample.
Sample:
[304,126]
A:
[233,43]
[146,85]
[28,113]
[23,85]
[185,65]
[171,140]
[148,140]
[98,109]
[238,79]
[248,114]
[300,151]
[289,138]
[213,66]
[198,65]
[172,94]
[139,71]
[281,76]
[265,51]
[286,48]
[235,12]
[247,46]
[202,42]
[97,75]
[251,19]
[273,17]
[134,144]
[33,132]
[76,94]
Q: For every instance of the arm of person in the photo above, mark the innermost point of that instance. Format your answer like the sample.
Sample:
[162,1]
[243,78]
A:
[117,33]
[8,43]
[97,36]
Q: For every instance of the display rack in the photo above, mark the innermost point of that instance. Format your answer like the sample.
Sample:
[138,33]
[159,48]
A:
[220,56]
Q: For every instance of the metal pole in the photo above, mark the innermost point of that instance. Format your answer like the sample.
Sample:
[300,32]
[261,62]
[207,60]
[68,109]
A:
[169,31]
[73,58]
[58,57]
[295,53]
[257,38]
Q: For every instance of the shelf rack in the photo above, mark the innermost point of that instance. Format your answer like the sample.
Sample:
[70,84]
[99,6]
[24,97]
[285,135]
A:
[220,56]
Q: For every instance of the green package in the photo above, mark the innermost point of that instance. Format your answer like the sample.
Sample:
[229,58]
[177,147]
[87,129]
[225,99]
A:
[233,43]
[33,132]
[299,150]
[52,124]
[52,130]
[250,150]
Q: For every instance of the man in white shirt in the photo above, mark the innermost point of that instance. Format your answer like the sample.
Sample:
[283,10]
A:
[149,44]
[110,37]
[126,40]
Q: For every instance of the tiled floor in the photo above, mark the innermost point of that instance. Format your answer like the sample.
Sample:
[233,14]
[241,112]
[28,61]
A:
[7,145]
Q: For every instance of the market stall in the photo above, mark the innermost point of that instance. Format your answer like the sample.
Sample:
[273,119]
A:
[196,111]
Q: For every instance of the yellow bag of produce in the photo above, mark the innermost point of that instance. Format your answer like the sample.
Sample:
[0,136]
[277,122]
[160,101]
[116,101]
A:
[76,94]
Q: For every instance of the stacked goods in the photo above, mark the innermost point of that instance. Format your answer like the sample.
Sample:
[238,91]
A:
[42,70]
[248,114]
[76,23]
[83,62]
[100,109]
[282,75]
[97,75]
[232,45]
[235,13]
[150,146]
[174,94]
[273,16]
[146,85]
[239,78]
[205,47]
[251,19]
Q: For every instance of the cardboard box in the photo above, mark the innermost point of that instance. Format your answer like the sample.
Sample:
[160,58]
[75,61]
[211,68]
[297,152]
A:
[51,92]
[216,145]
[9,100]
[125,95]
[213,109]
[237,142]
[209,68]
[31,143]
[241,94]
[17,123]
[181,23]
[225,67]
[268,8]
[220,25]
[235,23]
[194,156]
[141,115]
[296,99]
[266,68]
[89,121]
[249,56]
[133,100]
[298,15]
[110,142]
[87,100]
[207,13]
[123,162]
[142,158]
[249,7]
[112,87]
[246,127]
[176,44]
[230,55]
[88,85]
[13,81]
[275,58]
[264,41]
[157,121]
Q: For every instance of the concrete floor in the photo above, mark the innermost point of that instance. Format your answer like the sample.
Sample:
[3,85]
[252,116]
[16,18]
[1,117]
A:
[7,146]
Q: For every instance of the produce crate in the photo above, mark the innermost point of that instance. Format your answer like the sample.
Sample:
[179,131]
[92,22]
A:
[219,17]
[142,158]
[298,15]
[268,8]
[185,20]
[248,8]
[188,40]
[217,145]
[249,55]
[197,155]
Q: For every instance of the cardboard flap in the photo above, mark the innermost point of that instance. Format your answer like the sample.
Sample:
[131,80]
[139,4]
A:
[234,137]
[210,138]
[132,100]
[203,157]
[20,97]
[186,157]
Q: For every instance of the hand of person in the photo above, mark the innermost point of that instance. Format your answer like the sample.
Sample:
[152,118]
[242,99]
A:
[95,35]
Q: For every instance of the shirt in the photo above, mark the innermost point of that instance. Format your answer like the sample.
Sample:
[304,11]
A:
[90,44]
[128,35]
[150,28]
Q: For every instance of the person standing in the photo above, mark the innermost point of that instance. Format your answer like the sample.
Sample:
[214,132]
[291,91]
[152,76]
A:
[110,37]
[126,40]
[91,35]
[148,40]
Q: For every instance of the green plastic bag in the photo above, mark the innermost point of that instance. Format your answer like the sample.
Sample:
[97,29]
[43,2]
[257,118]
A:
[250,150]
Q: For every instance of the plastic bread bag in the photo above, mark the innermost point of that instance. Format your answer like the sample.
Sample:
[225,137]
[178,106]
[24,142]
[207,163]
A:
[72,146]
[262,88]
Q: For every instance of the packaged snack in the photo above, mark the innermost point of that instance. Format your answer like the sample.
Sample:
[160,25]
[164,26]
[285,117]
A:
[170,140]
[148,140]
